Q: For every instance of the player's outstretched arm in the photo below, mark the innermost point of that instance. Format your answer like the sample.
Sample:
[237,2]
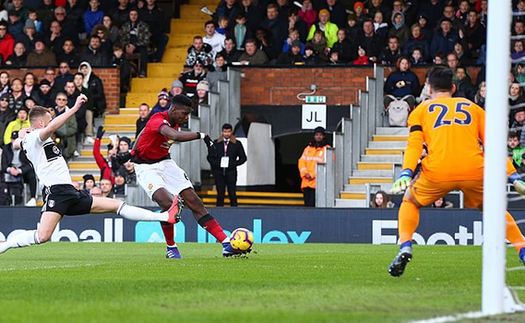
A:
[61,119]
[186,136]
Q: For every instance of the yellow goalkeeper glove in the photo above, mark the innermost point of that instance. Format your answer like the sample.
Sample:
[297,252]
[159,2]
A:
[402,182]
[518,183]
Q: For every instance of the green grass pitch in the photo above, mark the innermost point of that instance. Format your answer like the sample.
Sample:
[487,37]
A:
[133,282]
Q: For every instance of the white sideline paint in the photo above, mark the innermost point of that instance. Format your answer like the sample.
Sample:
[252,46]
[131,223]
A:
[47,267]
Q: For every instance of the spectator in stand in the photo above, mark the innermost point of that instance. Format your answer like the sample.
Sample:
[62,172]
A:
[292,37]
[69,27]
[228,9]
[399,29]
[444,38]
[17,170]
[94,54]
[85,114]
[464,87]
[516,100]
[29,89]
[44,96]
[519,29]
[253,56]
[452,62]
[426,30]
[362,57]
[55,40]
[18,6]
[219,72]
[318,42]
[337,12]
[308,13]
[369,41]
[381,201]
[120,61]
[417,39]
[94,84]
[113,30]
[75,13]
[352,30]
[450,13]
[463,54]
[222,26]
[380,26]
[143,118]
[360,12]
[89,182]
[277,29]
[253,14]
[481,95]
[163,102]
[120,14]
[240,32]
[102,32]
[20,122]
[7,42]
[6,115]
[282,8]
[69,54]
[44,13]
[201,97]
[295,22]
[390,55]
[95,191]
[433,11]
[330,29]
[16,97]
[124,147]
[416,57]
[375,6]
[64,75]
[403,81]
[41,56]
[106,187]
[119,188]
[15,25]
[213,38]
[93,16]
[104,163]
[131,175]
[68,132]
[344,48]
[230,52]
[518,52]
[4,82]
[475,32]
[135,38]
[313,153]
[191,78]
[199,51]
[310,56]
[18,58]
[156,20]
[28,36]
[293,55]
[176,88]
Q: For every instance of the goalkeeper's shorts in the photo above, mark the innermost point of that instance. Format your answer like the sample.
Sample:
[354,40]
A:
[427,192]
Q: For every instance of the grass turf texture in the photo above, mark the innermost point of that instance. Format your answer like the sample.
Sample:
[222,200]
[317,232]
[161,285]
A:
[133,282]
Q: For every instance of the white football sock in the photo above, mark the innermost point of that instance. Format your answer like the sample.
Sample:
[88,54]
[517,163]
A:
[134,213]
[24,239]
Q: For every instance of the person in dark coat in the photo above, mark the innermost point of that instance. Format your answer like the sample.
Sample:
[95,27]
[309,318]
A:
[224,159]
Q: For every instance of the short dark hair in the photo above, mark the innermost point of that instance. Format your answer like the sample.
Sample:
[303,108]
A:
[441,79]
[227,126]
[513,134]
[208,23]
[181,101]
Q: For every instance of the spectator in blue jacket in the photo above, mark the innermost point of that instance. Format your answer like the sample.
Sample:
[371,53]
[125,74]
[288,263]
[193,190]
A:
[93,16]
[444,39]
[402,81]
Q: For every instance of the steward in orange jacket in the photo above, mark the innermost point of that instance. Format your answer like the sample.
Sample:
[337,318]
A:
[313,153]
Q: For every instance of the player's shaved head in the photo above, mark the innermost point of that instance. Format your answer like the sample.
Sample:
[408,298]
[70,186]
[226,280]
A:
[440,79]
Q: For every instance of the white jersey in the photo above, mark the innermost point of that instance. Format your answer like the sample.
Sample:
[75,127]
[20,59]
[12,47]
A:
[48,162]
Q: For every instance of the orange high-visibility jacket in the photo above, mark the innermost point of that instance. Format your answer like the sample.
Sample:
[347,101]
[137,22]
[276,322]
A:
[308,164]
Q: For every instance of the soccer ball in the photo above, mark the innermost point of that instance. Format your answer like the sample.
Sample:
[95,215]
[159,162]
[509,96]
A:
[241,239]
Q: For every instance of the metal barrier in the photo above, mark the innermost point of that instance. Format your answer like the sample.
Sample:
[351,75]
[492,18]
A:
[325,185]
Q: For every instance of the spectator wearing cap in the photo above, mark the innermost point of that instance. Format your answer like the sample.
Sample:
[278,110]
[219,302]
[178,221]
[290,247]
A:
[313,154]
[191,78]
[360,12]
[135,38]
[163,102]
[213,38]
[68,132]
[19,56]
[16,24]
[199,51]
[41,56]
[252,55]
[17,170]
[119,188]
[6,115]
[201,98]
[16,95]
[45,96]
[224,160]
[124,147]
[444,38]
[28,35]
[7,41]
[176,88]
[89,182]
[293,56]
[143,118]
[310,55]
[330,29]
[21,122]
[104,164]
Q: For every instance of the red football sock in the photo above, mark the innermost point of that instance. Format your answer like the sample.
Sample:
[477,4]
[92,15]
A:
[168,233]
[213,227]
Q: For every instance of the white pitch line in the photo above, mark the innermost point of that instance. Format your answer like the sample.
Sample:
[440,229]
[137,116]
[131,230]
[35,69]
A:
[453,318]
[45,267]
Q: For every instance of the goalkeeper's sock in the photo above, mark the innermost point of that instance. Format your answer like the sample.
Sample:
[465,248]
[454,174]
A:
[24,239]
[211,225]
[408,218]
[169,233]
[514,234]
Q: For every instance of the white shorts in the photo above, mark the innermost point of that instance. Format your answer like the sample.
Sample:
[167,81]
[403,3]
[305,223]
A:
[164,174]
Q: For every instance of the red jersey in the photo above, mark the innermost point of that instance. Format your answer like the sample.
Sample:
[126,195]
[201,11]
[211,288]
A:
[151,146]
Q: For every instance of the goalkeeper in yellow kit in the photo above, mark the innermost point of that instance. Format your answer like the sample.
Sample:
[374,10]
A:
[453,129]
